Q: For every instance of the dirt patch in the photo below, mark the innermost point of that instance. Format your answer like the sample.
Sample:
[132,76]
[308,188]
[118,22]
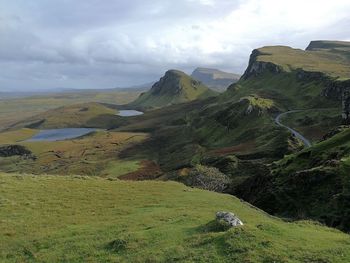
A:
[149,170]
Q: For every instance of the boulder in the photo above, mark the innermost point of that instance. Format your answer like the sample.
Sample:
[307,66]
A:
[228,219]
[11,150]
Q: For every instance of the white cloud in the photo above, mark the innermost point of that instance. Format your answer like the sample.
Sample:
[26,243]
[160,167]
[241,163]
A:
[121,42]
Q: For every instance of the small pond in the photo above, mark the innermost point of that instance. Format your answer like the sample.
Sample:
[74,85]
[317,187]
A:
[129,113]
[60,134]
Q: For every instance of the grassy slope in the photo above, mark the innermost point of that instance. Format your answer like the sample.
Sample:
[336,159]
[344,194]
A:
[284,89]
[169,93]
[183,134]
[314,124]
[285,84]
[313,183]
[331,63]
[79,115]
[95,154]
[68,219]
[14,110]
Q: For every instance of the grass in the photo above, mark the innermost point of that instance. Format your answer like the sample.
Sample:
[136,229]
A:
[314,123]
[331,63]
[70,219]
[284,89]
[19,109]
[118,168]
[312,183]
[96,154]
[12,137]
[77,115]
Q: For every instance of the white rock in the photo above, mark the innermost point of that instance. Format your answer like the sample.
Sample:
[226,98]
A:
[229,218]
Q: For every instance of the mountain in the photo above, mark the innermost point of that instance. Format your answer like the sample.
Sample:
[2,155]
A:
[237,133]
[296,78]
[214,78]
[173,88]
[312,183]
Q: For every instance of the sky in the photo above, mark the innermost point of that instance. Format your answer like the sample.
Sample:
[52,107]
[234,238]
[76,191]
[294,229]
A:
[50,44]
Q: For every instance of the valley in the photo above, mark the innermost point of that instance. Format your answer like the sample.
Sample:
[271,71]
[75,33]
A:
[138,184]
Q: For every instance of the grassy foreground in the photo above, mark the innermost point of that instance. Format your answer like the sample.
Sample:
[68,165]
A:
[72,219]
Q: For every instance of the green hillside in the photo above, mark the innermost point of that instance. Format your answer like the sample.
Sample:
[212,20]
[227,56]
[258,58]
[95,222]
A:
[18,109]
[73,219]
[90,114]
[313,183]
[295,78]
[175,87]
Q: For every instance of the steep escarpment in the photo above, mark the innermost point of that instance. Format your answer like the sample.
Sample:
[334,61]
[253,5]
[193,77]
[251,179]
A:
[173,88]
[297,78]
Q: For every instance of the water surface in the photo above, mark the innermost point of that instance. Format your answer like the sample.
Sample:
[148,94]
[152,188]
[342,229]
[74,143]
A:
[129,113]
[60,134]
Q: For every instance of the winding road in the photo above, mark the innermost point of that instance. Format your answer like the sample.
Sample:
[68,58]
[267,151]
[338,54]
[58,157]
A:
[306,142]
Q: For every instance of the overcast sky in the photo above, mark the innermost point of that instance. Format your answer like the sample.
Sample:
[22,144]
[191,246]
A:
[112,43]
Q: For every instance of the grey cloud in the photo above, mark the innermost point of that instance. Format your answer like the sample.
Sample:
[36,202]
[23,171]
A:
[94,43]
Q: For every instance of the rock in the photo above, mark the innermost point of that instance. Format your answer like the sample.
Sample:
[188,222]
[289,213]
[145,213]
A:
[228,218]
[335,131]
[11,150]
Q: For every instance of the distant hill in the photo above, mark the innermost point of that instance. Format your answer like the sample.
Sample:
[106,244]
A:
[87,115]
[174,87]
[214,78]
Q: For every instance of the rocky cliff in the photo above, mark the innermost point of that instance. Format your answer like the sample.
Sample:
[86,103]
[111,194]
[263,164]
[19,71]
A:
[324,64]
[174,87]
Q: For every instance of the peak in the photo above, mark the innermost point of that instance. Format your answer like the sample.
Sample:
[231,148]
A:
[174,87]
[175,72]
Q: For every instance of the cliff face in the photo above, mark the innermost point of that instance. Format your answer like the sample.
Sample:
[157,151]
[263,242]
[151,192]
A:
[323,64]
[256,67]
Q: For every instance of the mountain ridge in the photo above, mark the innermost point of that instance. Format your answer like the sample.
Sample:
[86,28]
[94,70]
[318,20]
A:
[215,78]
[173,88]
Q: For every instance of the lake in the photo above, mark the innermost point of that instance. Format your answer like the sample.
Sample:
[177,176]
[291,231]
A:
[129,113]
[60,134]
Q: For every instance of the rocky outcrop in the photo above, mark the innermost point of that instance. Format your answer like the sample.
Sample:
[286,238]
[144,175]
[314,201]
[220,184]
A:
[334,132]
[12,150]
[346,105]
[256,67]
[170,84]
[228,219]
